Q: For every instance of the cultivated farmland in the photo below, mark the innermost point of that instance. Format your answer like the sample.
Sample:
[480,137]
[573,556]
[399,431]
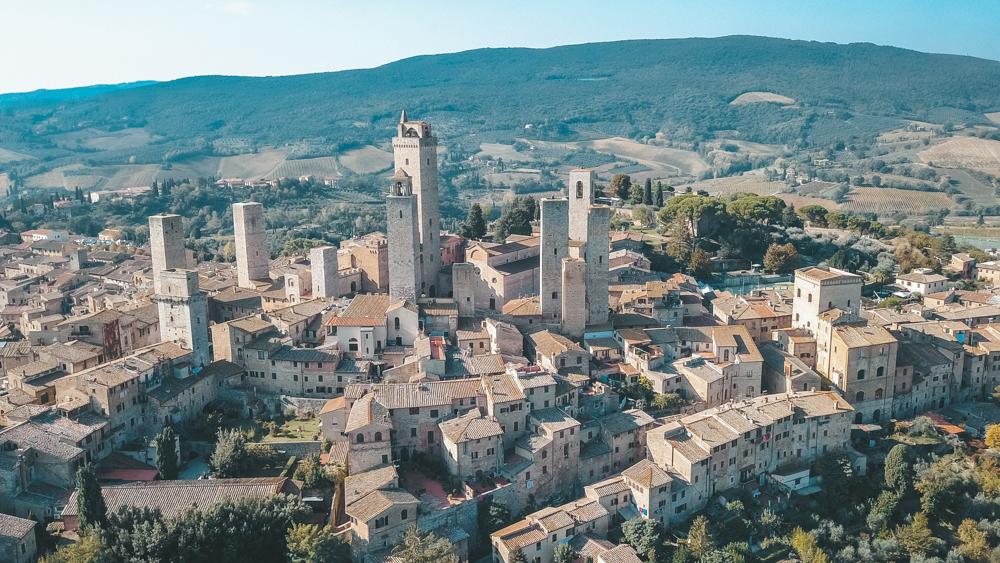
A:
[367,160]
[323,167]
[750,183]
[886,201]
[965,152]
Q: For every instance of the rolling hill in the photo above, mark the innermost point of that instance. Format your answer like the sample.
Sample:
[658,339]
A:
[681,88]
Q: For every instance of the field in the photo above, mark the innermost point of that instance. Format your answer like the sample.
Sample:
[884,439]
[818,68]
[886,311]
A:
[249,166]
[972,188]
[506,152]
[663,162]
[750,183]
[886,201]
[815,188]
[104,140]
[965,152]
[367,160]
[800,201]
[323,167]
[8,156]
[51,179]
[994,117]
[112,177]
[755,97]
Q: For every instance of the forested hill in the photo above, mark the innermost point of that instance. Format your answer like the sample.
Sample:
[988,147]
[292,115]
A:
[682,87]
[69,93]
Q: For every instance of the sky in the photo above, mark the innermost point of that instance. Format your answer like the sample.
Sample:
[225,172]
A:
[66,43]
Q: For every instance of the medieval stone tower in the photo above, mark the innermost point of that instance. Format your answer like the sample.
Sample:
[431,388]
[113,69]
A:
[598,245]
[166,238]
[581,197]
[574,313]
[252,257]
[183,313]
[415,151]
[402,214]
[324,264]
[463,282]
[553,247]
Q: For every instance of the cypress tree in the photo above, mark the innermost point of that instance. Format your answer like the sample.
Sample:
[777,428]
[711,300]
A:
[166,454]
[90,508]
[647,194]
[155,191]
[659,195]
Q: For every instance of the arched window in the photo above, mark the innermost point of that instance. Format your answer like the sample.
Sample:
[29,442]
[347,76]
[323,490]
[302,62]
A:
[352,345]
[829,305]
[545,454]
[858,418]
[810,297]
[402,515]
[878,393]
[396,323]
[798,292]
[354,286]
[860,396]
[378,436]
[861,374]
[239,353]
[361,438]
[579,189]
[876,415]
[805,386]
[725,355]
[880,372]
[796,317]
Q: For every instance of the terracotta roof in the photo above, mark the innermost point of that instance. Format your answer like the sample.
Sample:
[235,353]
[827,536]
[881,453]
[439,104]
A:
[620,554]
[333,404]
[359,485]
[364,310]
[472,426]
[647,474]
[377,502]
[526,307]
[367,411]
[14,527]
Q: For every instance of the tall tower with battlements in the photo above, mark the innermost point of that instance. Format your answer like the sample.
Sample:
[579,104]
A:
[415,152]
[252,257]
[166,239]
[402,212]
[184,313]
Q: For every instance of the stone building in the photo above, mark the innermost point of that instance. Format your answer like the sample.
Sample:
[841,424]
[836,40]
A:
[406,258]
[553,248]
[415,152]
[166,240]
[252,256]
[473,445]
[17,540]
[370,255]
[751,440]
[184,313]
[821,289]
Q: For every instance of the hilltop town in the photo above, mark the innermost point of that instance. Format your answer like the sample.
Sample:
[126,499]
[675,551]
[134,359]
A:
[530,398]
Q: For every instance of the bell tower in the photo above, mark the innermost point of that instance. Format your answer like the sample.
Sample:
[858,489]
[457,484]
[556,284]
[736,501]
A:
[415,152]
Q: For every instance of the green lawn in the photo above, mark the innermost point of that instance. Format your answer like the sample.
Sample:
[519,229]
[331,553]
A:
[290,430]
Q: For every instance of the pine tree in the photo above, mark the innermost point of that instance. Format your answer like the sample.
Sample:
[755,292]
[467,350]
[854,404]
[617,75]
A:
[565,554]
[700,539]
[659,195]
[518,556]
[166,454]
[647,195]
[475,223]
[90,508]
[423,547]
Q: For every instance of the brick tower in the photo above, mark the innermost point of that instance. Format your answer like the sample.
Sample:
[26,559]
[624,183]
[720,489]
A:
[404,239]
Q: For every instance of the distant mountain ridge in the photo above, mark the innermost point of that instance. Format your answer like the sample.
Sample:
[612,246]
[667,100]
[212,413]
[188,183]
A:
[681,88]
[76,93]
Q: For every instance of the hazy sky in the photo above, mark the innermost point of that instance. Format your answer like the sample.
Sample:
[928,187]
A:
[64,43]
